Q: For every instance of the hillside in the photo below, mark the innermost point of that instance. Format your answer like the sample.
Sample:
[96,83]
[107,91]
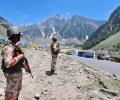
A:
[2,30]
[112,43]
[73,80]
[112,26]
[4,24]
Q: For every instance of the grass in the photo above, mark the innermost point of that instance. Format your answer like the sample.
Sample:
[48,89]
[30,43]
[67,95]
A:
[111,43]
[67,57]
[112,84]
[109,81]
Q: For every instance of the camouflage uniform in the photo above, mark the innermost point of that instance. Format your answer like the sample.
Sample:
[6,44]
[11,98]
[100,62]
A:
[54,53]
[13,86]
[53,63]
[13,74]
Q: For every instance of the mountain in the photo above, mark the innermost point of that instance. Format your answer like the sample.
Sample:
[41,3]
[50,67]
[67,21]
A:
[4,24]
[112,26]
[76,27]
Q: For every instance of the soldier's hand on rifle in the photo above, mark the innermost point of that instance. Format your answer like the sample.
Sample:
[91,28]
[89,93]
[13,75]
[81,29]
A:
[27,68]
[26,64]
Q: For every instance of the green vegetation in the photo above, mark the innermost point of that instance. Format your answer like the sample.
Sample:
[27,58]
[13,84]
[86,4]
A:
[2,30]
[111,27]
[101,80]
[1,46]
[112,43]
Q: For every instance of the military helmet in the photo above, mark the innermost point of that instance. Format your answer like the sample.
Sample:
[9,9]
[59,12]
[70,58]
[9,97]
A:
[13,30]
[54,38]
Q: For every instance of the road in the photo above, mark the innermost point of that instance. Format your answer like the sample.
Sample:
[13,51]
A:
[108,66]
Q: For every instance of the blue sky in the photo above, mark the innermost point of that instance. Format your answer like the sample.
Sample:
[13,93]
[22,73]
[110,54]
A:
[36,11]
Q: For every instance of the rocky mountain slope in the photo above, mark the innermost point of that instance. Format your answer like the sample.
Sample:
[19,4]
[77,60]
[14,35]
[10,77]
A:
[3,25]
[112,26]
[76,27]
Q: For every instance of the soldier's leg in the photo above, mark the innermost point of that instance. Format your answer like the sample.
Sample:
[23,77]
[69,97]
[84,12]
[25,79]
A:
[18,85]
[9,96]
[9,92]
[53,63]
[14,84]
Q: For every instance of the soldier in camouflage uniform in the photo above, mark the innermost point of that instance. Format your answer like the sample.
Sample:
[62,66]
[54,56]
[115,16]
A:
[11,65]
[54,52]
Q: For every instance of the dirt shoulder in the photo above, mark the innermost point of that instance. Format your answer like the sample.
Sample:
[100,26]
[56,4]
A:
[74,80]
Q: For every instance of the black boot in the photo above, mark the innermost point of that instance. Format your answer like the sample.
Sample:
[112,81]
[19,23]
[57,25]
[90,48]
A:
[52,71]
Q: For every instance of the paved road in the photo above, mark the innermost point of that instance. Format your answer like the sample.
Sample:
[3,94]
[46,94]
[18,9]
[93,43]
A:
[111,67]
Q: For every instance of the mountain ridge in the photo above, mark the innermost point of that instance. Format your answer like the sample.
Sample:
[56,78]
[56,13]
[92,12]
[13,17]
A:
[75,27]
[112,26]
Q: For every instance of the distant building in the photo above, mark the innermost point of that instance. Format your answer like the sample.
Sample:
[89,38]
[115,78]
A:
[2,41]
[86,37]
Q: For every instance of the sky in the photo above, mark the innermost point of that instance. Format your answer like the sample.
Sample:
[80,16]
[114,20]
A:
[37,11]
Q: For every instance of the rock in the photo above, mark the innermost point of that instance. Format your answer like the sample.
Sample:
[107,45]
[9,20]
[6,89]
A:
[101,99]
[113,93]
[78,87]
[49,82]
[101,83]
[44,92]
[114,75]
[91,77]
[86,71]
[1,81]
[37,96]
[91,97]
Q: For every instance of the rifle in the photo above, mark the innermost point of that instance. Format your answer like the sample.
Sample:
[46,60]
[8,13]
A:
[25,62]
[27,67]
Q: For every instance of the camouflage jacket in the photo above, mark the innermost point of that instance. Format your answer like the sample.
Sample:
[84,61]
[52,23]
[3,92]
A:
[10,62]
[55,48]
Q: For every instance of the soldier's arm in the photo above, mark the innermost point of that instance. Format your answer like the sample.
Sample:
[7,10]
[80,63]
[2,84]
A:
[19,48]
[26,66]
[9,58]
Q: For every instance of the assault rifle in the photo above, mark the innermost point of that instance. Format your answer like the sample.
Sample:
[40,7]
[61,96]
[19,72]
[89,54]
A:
[25,62]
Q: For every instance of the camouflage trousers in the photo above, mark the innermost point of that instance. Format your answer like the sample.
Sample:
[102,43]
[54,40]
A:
[13,86]
[54,59]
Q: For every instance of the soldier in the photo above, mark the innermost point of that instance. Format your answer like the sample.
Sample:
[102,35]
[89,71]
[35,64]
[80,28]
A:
[12,64]
[54,52]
